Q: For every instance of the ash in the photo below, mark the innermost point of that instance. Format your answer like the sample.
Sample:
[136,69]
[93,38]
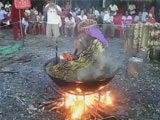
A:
[24,85]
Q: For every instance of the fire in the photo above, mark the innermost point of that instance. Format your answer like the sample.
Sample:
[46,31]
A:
[108,100]
[80,105]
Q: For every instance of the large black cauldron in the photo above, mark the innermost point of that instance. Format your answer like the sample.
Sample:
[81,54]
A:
[78,87]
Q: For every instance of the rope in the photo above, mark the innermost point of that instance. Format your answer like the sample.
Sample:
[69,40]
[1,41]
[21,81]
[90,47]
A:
[9,24]
[64,22]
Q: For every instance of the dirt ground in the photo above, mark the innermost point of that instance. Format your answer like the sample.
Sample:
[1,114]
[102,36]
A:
[24,85]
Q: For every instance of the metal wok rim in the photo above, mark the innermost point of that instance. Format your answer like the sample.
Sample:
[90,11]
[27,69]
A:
[46,69]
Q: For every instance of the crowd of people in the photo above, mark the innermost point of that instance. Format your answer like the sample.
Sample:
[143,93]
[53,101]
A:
[67,18]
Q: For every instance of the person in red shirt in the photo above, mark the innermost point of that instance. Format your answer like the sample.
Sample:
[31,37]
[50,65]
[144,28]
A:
[152,10]
[150,19]
[16,16]
[67,8]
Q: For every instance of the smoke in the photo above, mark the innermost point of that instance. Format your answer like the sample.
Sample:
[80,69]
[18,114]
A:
[104,66]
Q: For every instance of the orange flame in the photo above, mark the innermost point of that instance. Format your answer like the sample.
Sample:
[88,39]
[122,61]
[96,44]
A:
[78,105]
[108,99]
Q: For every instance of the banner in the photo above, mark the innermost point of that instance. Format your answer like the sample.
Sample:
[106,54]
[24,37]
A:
[22,4]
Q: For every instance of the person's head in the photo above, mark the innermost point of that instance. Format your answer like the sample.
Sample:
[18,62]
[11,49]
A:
[40,14]
[150,15]
[131,2]
[90,10]
[74,14]
[32,12]
[69,15]
[106,12]
[82,26]
[144,10]
[140,13]
[67,3]
[82,12]
[126,13]
[34,8]
[112,2]
[50,1]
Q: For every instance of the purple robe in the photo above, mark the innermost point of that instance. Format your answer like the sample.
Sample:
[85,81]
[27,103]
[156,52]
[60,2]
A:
[95,32]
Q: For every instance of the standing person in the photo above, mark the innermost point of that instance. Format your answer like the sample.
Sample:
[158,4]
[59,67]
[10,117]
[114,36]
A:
[113,8]
[144,15]
[108,23]
[126,22]
[132,8]
[53,20]
[16,18]
[96,13]
[67,8]
[70,25]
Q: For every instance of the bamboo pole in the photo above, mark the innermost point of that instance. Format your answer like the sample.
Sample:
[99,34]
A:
[21,33]
[56,45]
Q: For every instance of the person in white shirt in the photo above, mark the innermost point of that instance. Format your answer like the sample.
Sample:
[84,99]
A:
[82,16]
[7,5]
[69,24]
[108,23]
[53,20]
[138,18]
[144,15]
[41,23]
[132,8]
[113,9]
[1,4]
[35,10]
[96,13]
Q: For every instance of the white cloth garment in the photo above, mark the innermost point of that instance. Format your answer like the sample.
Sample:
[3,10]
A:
[70,23]
[53,17]
[84,17]
[113,8]
[132,9]
[107,18]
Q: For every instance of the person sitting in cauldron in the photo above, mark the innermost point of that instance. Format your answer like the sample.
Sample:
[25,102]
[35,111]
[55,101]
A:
[88,58]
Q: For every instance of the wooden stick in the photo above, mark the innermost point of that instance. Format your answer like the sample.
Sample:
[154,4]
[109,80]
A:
[56,50]
[21,28]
